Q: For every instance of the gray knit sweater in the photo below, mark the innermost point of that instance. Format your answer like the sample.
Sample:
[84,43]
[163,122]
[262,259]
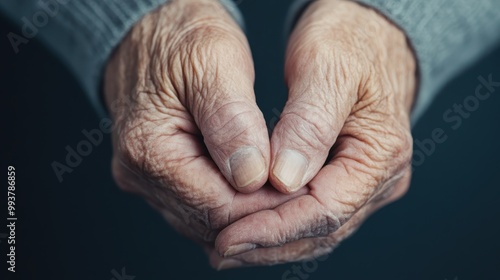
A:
[447,35]
[83,33]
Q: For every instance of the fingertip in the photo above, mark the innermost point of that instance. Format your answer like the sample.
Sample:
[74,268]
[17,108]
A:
[219,263]
[249,169]
[236,239]
[238,249]
[289,170]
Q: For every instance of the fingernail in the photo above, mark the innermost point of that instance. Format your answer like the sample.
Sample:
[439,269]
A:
[290,168]
[227,264]
[247,166]
[238,249]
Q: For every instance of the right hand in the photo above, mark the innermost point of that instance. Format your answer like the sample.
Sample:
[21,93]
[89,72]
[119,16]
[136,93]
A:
[187,128]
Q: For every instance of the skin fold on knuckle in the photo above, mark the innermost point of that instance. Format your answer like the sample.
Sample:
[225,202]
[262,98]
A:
[229,120]
[308,127]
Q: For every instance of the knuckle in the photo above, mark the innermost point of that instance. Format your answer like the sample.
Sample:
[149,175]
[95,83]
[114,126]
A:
[307,54]
[213,42]
[329,62]
[233,121]
[310,127]
[312,50]
[211,61]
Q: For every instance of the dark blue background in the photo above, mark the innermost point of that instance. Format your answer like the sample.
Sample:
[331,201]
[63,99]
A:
[446,227]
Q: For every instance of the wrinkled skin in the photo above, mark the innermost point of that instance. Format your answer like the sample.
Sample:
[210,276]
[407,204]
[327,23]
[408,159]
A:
[183,79]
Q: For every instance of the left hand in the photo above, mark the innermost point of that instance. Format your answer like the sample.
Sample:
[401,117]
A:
[351,78]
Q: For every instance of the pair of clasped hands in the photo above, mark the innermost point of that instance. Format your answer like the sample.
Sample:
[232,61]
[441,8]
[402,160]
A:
[191,140]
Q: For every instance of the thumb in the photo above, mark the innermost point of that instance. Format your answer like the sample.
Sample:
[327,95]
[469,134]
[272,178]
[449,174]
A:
[232,125]
[236,136]
[320,100]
